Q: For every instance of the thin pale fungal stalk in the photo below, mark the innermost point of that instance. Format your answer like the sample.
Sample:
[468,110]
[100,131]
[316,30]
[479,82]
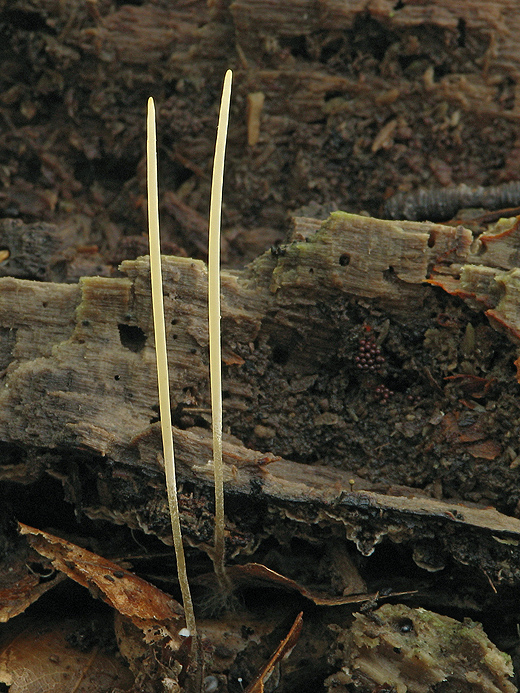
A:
[214,328]
[162,365]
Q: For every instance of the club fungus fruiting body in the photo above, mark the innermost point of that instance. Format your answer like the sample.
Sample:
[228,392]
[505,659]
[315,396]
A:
[214,347]
[162,366]
[214,328]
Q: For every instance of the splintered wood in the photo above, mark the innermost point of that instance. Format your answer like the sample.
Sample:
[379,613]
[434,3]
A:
[414,650]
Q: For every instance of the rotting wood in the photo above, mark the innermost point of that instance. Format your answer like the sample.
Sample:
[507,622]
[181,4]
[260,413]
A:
[383,648]
[90,385]
[444,78]
[333,79]
[103,360]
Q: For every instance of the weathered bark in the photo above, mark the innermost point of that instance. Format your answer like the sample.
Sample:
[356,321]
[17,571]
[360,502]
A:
[82,376]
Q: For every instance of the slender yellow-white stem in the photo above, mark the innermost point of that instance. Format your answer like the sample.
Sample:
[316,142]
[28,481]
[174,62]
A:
[162,365]
[214,327]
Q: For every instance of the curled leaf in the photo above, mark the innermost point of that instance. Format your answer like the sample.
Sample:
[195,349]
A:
[24,577]
[150,609]
[258,572]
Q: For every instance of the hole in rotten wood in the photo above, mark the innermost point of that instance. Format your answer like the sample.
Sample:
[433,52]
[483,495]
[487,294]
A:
[390,275]
[344,259]
[461,28]
[132,337]
[280,355]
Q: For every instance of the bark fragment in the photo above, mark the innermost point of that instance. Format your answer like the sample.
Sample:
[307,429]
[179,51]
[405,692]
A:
[417,651]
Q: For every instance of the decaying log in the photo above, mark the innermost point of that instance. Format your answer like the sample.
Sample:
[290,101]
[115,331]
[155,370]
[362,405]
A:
[96,338]
[80,375]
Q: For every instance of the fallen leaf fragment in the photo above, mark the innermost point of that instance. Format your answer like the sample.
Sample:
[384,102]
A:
[456,434]
[23,579]
[154,612]
[473,385]
[487,449]
[283,650]
[15,599]
[257,571]
[38,657]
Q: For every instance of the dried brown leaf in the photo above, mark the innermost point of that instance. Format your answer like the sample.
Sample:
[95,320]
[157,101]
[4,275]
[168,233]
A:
[148,607]
[15,599]
[257,571]
[487,449]
[22,582]
[39,659]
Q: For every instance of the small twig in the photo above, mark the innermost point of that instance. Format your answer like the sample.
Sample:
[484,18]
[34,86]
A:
[441,204]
